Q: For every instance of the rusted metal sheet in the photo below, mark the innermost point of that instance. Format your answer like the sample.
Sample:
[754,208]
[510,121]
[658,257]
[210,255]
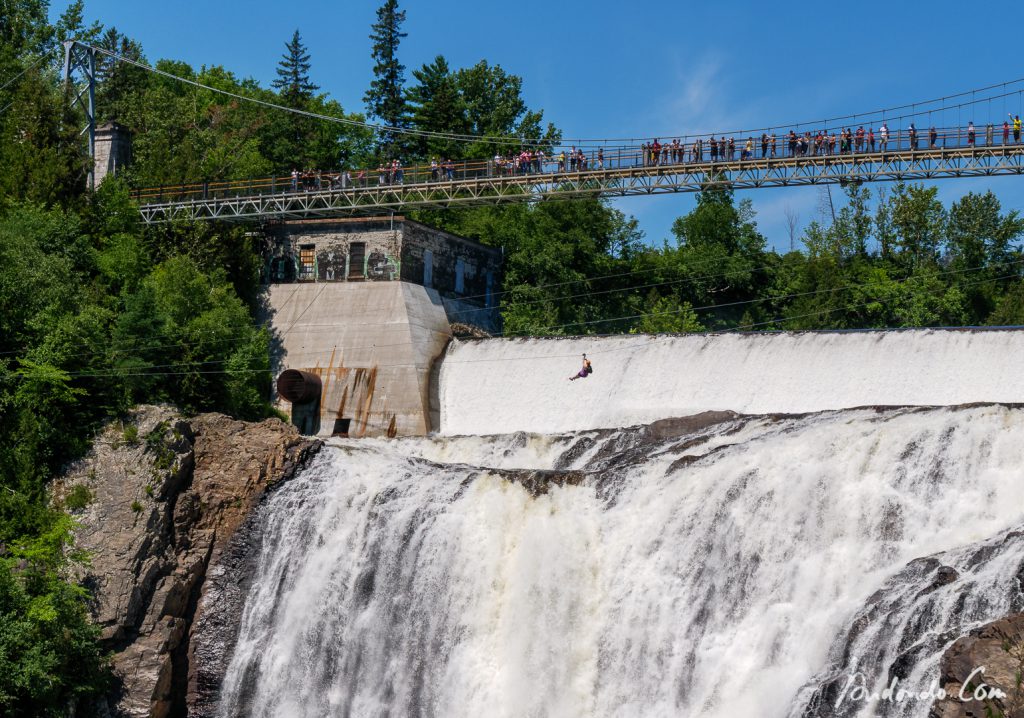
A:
[299,387]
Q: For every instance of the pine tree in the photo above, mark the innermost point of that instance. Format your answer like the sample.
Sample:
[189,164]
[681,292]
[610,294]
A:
[437,106]
[293,73]
[385,99]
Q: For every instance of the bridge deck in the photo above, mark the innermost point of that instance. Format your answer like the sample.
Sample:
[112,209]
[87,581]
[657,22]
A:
[903,164]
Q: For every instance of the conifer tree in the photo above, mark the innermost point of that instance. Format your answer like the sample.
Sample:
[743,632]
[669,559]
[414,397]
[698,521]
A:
[437,106]
[385,99]
[293,73]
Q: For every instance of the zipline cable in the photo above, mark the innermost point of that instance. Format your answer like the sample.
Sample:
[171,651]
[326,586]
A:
[115,373]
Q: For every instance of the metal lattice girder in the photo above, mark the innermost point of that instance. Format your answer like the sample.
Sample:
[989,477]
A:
[81,60]
[689,177]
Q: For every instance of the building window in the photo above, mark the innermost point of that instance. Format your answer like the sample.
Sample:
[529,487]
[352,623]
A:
[357,260]
[307,262]
[428,268]
[460,276]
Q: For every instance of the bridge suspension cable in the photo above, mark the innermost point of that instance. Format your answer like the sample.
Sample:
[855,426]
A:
[884,114]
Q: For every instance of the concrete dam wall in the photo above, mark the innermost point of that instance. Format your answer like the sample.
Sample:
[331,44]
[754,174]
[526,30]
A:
[495,386]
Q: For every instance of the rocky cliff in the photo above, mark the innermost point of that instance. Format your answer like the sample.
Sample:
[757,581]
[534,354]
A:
[158,499]
[982,673]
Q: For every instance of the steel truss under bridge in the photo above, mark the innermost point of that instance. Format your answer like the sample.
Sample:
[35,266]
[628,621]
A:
[904,164]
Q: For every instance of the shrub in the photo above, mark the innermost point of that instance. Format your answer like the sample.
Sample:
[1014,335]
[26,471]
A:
[78,497]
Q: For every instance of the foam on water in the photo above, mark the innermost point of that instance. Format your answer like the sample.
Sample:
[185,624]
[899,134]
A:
[709,574]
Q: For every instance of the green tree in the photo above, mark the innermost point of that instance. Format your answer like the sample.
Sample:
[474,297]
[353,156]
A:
[981,250]
[41,156]
[668,315]
[50,660]
[437,106]
[720,252]
[118,82]
[495,108]
[385,98]
[293,81]
[919,221]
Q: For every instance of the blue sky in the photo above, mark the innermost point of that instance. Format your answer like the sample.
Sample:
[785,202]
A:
[615,69]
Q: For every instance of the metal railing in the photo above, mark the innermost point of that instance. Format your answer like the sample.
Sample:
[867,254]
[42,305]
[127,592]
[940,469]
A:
[673,153]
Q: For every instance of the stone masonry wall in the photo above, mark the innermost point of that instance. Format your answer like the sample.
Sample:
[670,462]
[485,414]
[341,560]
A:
[333,242]
[481,265]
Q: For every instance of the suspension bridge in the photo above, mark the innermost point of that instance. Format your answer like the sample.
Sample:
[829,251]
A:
[808,155]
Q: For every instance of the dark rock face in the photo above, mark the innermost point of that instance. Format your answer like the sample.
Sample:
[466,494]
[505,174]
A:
[998,647]
[167,494]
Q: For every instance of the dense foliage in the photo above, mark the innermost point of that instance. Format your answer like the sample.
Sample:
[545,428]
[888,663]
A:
[97,314]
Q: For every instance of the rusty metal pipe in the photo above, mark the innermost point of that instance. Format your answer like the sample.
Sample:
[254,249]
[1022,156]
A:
[298,387]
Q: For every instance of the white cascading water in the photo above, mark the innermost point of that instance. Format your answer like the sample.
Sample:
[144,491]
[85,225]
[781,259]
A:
[716,572]
[497,386]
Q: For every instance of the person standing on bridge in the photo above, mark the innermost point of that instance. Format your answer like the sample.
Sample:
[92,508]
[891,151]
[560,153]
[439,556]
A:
[1006,132]
[871,138]
[1016,128]
[764,144]
[792,143]
[970,133]
[883,136]
[714,148]
[912,132]
[932,137]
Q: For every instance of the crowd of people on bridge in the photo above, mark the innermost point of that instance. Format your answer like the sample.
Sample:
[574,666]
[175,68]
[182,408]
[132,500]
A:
[807,143]
[817,143]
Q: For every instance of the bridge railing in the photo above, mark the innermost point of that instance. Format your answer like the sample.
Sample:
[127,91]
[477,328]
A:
[810,144]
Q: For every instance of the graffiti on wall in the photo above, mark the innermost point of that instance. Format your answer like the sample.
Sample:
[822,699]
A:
[281,266]
[331,265]
[382,266]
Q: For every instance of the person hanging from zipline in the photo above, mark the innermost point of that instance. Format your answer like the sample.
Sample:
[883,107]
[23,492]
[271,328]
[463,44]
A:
[584,372]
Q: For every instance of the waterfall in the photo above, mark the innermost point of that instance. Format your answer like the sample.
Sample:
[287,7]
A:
[711,568]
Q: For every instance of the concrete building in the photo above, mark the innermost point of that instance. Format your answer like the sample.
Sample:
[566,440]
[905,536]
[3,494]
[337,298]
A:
[368,306]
